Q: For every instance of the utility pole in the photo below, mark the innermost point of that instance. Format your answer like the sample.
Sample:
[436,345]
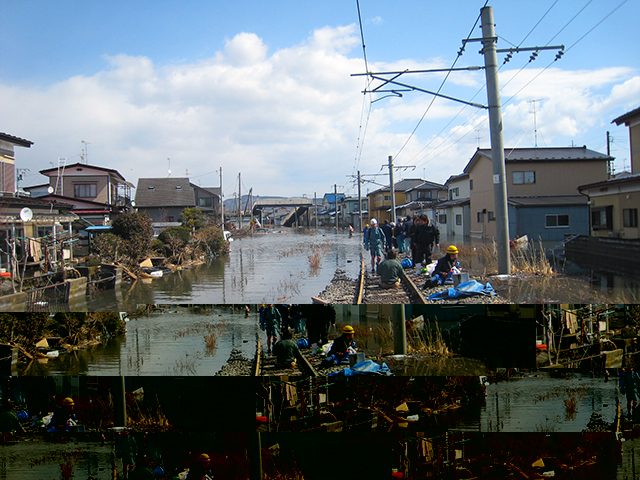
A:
[359,203]
[399,330]
[489,41]
[239,201]
[221,202]
[393,190]
[335,200]
[610,162]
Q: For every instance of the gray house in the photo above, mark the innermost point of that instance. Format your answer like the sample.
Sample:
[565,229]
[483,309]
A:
[163,199]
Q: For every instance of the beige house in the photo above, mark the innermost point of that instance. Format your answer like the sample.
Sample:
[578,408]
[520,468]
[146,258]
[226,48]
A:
[530,173]
[380,200]
[90,183]
[615,202]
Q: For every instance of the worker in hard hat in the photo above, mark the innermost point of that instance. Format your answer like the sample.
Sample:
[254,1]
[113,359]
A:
[62,416]
[446,267]
[341,347]
[200,468]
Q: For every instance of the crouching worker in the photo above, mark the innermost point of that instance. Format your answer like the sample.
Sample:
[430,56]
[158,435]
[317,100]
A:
[340,348]
[390,271]
[63,417]
[286,351]
[445,268]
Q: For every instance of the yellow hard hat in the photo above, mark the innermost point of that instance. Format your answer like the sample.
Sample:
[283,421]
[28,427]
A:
[203,458]
[348,329]
[452,249]
[68,402]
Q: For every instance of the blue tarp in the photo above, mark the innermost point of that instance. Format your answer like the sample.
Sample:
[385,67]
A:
[466,289]
[368,367]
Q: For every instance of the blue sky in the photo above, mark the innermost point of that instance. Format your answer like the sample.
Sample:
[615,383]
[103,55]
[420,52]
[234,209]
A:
[264,87]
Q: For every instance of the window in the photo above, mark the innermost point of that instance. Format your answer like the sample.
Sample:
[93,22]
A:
[458,219]
[602,218]
[454,193]
[387,198]
[481,217]
[630,217]
[556,221]
[520,178]
[205,201]
[471,184]
[491,217]
[85,190]
[442,218]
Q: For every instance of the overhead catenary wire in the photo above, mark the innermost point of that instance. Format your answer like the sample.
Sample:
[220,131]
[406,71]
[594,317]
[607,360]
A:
[423,161]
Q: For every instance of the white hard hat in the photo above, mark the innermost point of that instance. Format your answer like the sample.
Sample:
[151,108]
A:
[373,221]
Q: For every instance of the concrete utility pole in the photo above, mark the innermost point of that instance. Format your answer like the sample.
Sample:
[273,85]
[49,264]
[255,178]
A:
[393,190]
[359,203]
[221,202]
[399,330]
[239,201]
[119,402]
[489,41]
[335,200]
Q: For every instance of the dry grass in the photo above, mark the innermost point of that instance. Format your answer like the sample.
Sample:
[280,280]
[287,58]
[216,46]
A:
[314,260]
[530,259]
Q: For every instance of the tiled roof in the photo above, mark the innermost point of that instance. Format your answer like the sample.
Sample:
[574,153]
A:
[164,192]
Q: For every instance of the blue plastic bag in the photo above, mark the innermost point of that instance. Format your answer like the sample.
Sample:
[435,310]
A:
[303,343]
[406,263]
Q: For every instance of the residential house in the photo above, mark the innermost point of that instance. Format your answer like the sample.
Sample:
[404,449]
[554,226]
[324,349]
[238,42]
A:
[380,199]
[326,216]
[422,199]
[454,214]
[542,190]
[98,194]
[7,161]
[613,242]
[352,211]
[163,199]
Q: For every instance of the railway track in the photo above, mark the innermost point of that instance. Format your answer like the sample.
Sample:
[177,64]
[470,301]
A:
[265,365]
[369,291]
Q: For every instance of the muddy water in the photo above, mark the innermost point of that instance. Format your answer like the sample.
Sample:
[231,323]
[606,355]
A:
[537,404]
[170,343]
[42,460]
[275,267]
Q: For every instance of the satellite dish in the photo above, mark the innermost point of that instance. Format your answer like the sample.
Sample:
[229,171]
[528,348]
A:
[50,189]
[26,214]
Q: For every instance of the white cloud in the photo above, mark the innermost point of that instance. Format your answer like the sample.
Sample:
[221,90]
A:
[288,120]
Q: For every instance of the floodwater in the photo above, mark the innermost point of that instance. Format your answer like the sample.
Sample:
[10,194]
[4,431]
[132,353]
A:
[541,403]
[171,343]
[629,468]
[42,460]
[289,266]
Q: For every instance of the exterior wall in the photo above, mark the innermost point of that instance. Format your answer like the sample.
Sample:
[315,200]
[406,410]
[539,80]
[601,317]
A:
[450,231]
[162,214]
[7,175]
[70,179]
[462,186]
[634,140]
[618,202]
[481,196]
[531,221]
[555,177]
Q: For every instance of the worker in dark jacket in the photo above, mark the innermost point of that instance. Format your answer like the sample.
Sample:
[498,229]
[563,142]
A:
[340,348]
[426,235]
[61,417]
[270,322]
[445,267]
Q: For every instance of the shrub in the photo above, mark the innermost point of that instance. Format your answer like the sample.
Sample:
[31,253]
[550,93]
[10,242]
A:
[136,232]
[193,218]
[210,240]
[181,233]
[157,246]
[105,246]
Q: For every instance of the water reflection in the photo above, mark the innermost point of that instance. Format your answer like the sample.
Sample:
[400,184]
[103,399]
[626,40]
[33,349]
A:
[541,403]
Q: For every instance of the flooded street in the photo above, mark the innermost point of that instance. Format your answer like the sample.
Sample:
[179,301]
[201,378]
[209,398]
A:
[38,459]
[541,403]
[291,266]
[171,343]
[275,267]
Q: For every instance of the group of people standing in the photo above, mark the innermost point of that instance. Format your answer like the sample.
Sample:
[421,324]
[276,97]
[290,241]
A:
[417,234]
